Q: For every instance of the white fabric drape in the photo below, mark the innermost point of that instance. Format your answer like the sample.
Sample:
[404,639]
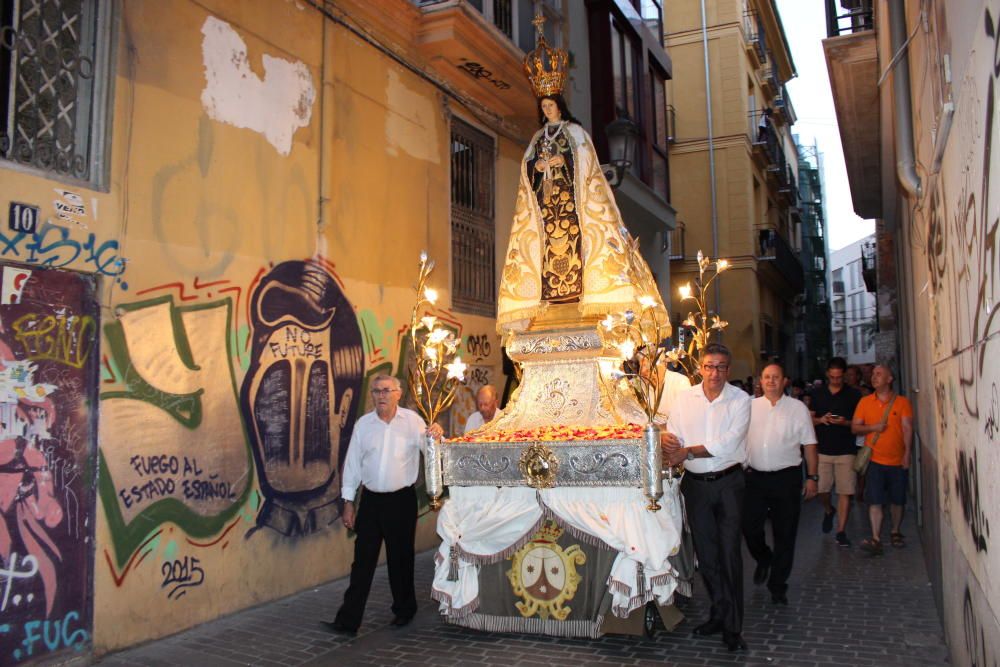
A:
[482,525]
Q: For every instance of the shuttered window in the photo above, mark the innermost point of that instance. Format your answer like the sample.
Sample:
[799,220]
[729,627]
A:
[473,227]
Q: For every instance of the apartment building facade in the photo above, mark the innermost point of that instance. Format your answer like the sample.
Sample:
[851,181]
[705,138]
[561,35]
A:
[735,171]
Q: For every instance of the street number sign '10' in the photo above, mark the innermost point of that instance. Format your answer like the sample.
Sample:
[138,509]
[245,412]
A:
[22,218]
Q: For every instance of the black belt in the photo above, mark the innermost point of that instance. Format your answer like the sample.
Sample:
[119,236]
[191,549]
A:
[774,472]
[387,493]
[712,476]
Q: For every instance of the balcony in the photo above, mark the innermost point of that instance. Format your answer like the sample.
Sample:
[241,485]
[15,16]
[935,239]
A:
[753,37]
[854,19]
[852,60]
[763,139]
[769,78]
[775,250]
[787,187]
[869,266]
[783,105]
[676,241]
[475,54]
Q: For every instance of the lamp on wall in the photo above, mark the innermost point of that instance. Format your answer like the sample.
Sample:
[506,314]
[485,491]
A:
[622,135]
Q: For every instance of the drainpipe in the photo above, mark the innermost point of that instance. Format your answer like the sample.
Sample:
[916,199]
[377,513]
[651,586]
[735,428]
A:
[906,170]
[711,153]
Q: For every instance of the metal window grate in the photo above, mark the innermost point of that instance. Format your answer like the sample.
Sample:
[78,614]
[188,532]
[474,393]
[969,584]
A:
[50,82]
[473,228]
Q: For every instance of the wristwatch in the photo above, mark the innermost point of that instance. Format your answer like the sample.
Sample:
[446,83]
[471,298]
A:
[814,478]
[690,454]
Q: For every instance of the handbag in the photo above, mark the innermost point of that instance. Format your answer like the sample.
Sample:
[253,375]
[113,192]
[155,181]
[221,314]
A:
[864,455]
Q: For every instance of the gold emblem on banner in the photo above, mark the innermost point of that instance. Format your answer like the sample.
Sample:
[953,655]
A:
[544,575]
[539,465]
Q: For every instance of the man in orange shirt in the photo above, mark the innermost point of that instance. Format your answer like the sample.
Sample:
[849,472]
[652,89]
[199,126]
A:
[886,421]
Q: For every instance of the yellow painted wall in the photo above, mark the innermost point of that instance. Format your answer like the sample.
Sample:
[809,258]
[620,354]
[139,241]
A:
[204,212]
[740,211]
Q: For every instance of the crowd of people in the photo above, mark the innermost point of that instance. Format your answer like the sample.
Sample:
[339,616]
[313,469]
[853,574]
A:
[750,460]
[747,459]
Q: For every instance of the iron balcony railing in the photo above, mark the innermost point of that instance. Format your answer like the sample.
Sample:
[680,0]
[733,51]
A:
[753,32]
[676,241]
[857,16]
[774,248]
[869,266]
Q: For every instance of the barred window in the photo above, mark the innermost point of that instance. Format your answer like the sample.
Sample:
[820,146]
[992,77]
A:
[54,87]
[473,228]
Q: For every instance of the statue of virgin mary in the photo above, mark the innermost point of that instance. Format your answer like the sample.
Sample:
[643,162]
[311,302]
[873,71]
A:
[567,242]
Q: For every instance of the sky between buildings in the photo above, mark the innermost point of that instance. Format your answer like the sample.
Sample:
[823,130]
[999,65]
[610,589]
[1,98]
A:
[805,27]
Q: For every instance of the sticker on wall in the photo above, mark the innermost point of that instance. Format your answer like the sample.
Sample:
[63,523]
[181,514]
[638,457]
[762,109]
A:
[69,207]
[14,280]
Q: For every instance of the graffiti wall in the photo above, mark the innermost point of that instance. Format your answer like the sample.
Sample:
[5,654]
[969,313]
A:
[252,276]
[49,335]
[962,219]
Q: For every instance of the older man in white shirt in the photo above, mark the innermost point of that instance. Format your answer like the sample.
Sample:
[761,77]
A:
[487,410]
[780,428]
[707,432]
[383,458]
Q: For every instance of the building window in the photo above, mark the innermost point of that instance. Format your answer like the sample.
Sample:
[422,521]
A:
[55,74]
[473,227]
[623,57]
[660,179]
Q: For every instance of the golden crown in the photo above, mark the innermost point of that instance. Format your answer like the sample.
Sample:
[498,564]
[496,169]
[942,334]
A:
[549,532]
[546,67]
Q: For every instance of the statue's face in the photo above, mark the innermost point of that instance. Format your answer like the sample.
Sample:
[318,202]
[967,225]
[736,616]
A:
[551,111]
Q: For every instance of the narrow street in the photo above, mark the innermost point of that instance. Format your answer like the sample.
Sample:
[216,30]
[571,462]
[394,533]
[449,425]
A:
[845,608]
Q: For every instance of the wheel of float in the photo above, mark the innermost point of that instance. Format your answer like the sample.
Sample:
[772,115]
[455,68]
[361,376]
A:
[649,619]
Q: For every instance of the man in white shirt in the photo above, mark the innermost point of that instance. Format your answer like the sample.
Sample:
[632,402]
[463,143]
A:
[384,458]
[707,432]
[780,427]
[486,408]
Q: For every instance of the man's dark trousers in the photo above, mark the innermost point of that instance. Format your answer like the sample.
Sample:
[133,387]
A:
[777,495]
[714,510]
[392,517]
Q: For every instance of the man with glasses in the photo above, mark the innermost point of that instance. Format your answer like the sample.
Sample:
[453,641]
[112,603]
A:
[832,408]
[383,458]
[707,431]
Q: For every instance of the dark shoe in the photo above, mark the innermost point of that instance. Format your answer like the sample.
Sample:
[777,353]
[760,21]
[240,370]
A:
[339,628]
[897,540]
[872,547]
[734,641]
[761,572]
[828,521]
[779,598]
[400,621]
[709,627]
[842,539]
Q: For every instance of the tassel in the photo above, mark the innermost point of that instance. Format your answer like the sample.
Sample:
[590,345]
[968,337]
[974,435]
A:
[640,580]
[453,563]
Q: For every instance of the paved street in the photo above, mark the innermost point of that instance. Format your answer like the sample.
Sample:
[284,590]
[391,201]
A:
[846,608]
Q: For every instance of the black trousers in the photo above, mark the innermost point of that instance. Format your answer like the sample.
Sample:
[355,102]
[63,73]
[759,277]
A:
[777,495]
[714,511]
[382,516]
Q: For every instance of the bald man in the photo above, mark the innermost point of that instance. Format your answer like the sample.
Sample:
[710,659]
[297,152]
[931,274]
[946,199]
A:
[487,403]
